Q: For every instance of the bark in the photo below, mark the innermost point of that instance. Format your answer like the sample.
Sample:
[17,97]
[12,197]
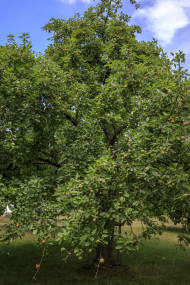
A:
[118,252]
[48,161]
[72,120]
[111,137]
[90,259]
[106,252]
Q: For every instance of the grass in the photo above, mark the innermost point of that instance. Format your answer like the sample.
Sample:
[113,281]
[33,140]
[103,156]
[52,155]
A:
[157,262]
[4,219]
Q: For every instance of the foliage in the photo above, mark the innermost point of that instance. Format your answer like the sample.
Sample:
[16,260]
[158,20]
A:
[95,130]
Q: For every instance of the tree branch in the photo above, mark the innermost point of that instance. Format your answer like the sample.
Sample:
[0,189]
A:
[107,133]
[47,161]
[112,137]
[71,119]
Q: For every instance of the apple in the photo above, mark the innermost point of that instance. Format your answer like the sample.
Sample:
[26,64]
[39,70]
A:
[17,225]
[90,250]
[80,258]
[37,266]
[43,241]
[101,260]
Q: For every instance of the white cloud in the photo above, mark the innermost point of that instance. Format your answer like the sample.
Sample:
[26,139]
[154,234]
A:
[74,1]
[165,18]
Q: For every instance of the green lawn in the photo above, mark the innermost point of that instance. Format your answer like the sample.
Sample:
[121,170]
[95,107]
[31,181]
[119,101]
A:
[157,262]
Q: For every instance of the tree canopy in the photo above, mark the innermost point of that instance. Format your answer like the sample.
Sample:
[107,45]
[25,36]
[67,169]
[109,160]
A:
[95,130]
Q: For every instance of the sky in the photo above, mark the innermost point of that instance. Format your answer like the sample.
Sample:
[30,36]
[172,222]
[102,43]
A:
[168,21]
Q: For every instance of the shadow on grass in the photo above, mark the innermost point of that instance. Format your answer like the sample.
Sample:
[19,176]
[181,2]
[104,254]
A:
[174,229]
[155,263]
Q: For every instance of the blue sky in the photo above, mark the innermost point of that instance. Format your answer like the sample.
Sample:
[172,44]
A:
[168,21]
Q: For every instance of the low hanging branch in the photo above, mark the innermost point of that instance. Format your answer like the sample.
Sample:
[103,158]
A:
[38,265]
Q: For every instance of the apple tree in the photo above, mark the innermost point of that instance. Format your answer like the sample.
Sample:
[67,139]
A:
[97,131]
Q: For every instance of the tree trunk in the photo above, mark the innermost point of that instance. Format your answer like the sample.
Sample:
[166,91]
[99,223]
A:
[119,252]
[105,252]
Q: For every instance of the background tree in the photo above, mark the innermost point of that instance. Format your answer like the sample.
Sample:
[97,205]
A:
[98,132]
